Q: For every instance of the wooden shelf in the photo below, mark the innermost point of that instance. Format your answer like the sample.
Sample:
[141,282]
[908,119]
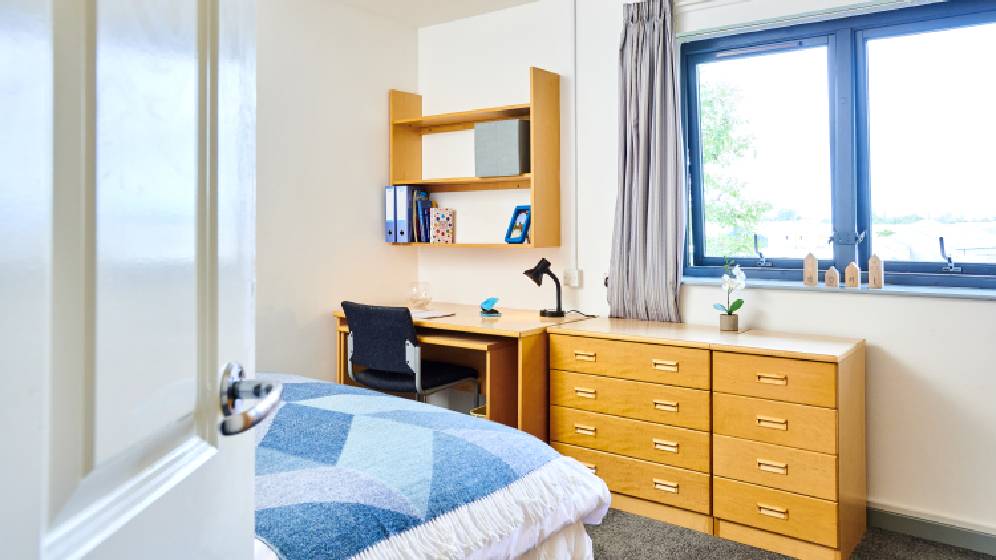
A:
[409,126]
[458,184]
[473,245]
[463,120]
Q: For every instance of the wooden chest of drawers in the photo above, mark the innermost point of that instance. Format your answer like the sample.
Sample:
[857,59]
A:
[755,437]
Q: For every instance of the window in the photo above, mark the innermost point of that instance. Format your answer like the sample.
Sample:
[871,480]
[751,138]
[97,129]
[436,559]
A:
[867,135]
[764,132]
[932,150]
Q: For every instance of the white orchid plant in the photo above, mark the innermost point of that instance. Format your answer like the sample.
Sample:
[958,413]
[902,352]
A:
[733,281]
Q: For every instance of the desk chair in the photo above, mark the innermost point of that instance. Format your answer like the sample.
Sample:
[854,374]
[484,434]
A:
[383,340]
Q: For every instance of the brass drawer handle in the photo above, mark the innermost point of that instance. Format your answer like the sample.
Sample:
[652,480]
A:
[772,422]
[665,445]
[665,486]
[590,467]
[773,467]
[772,378]
[773,511]
[584,392]
[584,430]
[666,406]
[582,356]
[664,365]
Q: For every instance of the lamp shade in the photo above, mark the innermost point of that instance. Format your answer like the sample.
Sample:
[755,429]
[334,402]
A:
[536,273]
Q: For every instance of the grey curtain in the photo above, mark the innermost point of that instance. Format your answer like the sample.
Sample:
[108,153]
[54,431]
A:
[648,239]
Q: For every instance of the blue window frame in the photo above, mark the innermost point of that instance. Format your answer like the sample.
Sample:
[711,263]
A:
[846,42]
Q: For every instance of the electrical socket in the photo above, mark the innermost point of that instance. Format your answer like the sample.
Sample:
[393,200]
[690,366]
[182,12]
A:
[573,277]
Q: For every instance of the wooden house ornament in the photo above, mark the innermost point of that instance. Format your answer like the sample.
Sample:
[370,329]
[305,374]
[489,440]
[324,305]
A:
[876,273]
[810,270]
[832,278]
[852,275]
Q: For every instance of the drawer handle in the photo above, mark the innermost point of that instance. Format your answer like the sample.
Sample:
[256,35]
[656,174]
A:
[772,378]
[773,467]
[590,467]
[772,423]
[666,406]
[665,486]
[584,393]
[584,430]
[582,356]
[664,365]
[773,511]
[665,445]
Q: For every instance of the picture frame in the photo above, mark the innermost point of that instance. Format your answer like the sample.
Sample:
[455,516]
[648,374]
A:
[518,225]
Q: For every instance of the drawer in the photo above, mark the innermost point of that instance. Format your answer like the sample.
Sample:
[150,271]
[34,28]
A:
[780,379]
[808,519]
[795,470]
[666,404]
[654,363]
[669,445]
[642,479]
[794,425]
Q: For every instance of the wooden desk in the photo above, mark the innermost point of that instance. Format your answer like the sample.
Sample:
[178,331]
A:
[510,352]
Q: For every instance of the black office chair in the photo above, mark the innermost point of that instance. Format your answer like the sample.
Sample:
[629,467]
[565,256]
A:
[382,339]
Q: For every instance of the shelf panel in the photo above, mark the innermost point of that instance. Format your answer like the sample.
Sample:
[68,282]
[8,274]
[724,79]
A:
[472,245]
[457,184]
[448,122]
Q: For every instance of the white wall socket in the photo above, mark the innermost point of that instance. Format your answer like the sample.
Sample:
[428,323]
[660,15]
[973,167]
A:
[572,277]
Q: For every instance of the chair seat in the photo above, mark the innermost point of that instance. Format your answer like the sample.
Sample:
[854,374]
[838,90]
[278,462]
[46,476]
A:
[434,374]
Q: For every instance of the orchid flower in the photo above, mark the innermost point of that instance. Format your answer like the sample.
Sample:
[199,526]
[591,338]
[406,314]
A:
[732,283]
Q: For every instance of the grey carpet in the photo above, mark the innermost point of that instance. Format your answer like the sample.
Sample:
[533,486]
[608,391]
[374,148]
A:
[629,537]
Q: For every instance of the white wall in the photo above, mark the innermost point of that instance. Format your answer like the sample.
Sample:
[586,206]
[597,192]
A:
[931,422]
[323,72]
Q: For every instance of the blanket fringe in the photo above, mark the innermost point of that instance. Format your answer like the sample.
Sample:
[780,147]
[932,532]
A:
[507,522]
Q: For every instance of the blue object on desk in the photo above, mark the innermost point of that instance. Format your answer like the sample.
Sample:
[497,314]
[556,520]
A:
[488,310]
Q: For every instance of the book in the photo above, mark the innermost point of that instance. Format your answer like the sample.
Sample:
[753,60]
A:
[390,215]
[419,198]
[422,210]
[403,204]
[443,225]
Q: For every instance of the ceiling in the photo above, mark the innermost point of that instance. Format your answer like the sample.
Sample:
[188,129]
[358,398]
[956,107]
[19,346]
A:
[420,13]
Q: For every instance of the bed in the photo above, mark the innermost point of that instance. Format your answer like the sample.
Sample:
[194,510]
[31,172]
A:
[344,472]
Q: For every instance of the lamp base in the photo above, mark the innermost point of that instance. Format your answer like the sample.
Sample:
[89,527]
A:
[552,313]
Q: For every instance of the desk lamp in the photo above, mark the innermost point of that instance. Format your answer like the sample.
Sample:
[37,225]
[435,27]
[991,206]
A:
[536,275]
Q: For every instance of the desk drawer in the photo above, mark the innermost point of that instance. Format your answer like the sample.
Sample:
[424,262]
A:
[794,425]
[643,479]
[789,514]
[654,363]
[665,404]
[680,447]
[795,470]
[780,379]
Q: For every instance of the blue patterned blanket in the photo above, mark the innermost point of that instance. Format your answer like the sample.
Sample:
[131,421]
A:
[344,472]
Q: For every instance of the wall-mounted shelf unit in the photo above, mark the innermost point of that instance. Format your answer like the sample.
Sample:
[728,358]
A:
[408,125]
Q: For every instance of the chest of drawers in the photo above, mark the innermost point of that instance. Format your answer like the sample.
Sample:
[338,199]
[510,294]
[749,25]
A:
[756,437]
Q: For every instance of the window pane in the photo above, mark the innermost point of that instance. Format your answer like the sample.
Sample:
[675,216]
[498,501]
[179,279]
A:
[932,144]
[764,128]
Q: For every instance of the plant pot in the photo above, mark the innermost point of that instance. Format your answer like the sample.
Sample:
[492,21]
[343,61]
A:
[729,322]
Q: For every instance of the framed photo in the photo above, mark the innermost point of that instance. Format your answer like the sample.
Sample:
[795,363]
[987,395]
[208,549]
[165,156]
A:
[518,226]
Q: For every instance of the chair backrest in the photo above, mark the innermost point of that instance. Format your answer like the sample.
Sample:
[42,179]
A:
[379,336]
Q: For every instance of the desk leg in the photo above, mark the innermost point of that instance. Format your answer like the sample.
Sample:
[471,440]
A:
[534,386]
[501,385]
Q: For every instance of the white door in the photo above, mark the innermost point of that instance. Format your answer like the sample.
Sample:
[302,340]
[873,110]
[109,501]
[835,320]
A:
[127,157]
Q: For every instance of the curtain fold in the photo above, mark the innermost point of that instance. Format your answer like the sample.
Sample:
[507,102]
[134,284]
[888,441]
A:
[648,238]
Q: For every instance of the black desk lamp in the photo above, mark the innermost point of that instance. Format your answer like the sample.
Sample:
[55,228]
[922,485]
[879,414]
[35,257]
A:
[536,275]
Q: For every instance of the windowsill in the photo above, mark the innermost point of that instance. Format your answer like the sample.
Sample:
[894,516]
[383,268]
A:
[906,291]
